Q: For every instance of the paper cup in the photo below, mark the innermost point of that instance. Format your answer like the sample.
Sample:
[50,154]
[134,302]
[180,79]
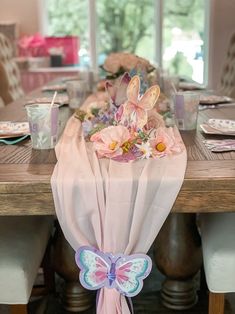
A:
[186,110]
[43,124]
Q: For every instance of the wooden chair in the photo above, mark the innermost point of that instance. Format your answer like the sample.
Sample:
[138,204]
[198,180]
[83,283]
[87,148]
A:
[10,83]
[227,83]
[23,242]
[218,246]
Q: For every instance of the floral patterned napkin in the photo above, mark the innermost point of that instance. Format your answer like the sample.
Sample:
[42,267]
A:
[218,146]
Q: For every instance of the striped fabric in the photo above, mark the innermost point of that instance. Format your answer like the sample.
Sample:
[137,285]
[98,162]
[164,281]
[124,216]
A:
[10,85]
[227,84]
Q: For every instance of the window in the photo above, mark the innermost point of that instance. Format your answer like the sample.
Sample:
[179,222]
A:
[183,38]
[125,26]
[172,33]
[70,18]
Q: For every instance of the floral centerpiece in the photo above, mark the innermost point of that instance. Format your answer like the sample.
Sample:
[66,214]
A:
[118,63]
[128,127]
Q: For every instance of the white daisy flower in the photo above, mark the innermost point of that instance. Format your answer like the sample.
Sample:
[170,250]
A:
[145,149]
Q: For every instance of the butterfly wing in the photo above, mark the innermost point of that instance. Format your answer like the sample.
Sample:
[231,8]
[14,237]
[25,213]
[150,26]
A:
[130,272]
[135,115]
[150,97]
[141,117]
[133,89]
[118,92]
[94,267]
[121,95]
[111,90]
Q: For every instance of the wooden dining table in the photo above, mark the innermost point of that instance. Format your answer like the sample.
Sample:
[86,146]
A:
[209,186]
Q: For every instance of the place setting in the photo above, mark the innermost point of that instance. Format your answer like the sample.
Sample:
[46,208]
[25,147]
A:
[213,101]
[61,99]
[220,127]
[13,132]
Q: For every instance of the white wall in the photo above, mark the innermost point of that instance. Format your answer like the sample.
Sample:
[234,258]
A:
[24,12]
[222,27]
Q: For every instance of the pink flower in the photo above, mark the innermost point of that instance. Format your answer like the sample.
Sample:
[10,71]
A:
[127,61]
[165,142]
[108,142]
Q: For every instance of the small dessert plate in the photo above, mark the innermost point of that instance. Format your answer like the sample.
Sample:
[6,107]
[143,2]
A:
[214,99]
[61,100]
[54,87]
[223,125]
[10,129]
[219,126]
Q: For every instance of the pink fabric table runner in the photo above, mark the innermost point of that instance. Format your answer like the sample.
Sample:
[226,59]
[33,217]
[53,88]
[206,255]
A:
[113,206]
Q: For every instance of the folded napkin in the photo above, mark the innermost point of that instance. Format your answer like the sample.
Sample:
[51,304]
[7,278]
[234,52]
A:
[113,206]
[218,146]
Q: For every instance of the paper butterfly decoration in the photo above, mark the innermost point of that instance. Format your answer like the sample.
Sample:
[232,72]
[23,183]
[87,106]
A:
[124,273]
[143,79]
[117,92]
[135,108]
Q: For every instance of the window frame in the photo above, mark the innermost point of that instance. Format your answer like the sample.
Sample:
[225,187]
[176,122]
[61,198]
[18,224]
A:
[158,43]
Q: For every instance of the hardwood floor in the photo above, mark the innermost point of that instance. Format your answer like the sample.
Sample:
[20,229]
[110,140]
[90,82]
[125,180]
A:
[144,304]
[147,302]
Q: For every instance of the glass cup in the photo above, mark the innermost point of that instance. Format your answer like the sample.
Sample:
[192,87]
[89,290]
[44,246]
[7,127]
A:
[91,77]
[43,124]
[169,84]
[77,90]
[186,110]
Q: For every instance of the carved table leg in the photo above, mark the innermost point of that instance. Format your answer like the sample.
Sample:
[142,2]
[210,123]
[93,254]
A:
[178,256]
[75,297]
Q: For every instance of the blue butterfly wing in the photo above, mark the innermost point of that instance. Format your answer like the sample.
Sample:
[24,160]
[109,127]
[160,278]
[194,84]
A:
[94,268]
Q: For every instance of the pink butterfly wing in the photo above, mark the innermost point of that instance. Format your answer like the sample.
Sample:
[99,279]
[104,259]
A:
[111,90]
[118,91]
[130,273]
[133,89]
[121,95]
[135,115]
[128,108]
[141,117]
[150,97]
